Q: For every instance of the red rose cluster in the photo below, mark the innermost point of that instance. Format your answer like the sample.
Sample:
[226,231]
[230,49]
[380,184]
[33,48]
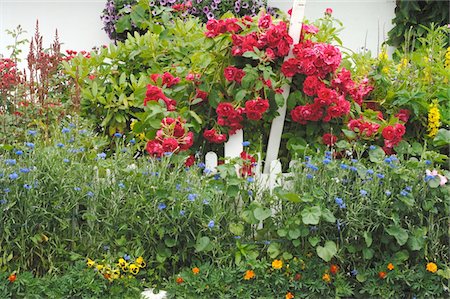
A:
[154,93]
[172,137]
[393,135]
[214,137]
[228,116]
[8,74]
[216,27]
[233,73]
[363,127]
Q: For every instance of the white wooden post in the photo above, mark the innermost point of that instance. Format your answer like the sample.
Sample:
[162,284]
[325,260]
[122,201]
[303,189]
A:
[211,161]
[295,28]
[234,147]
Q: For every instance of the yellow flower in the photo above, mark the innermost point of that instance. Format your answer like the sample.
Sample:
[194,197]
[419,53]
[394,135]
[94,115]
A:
[432,267]
[90,263]
[383,55]
[99,267]
[140,262]
[125,267]
[385,70]
[134,269]
[122,262]
[141,136]
[390,267]
[289,295]
[195,270]
[434,117]
[326,277]
[133,122]
[249,274]
[277,264]
[447,58]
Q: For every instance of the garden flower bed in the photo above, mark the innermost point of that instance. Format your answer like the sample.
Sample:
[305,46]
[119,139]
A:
[105,190]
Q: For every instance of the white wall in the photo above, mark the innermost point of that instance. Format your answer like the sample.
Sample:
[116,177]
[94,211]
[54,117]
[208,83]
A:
[79,26]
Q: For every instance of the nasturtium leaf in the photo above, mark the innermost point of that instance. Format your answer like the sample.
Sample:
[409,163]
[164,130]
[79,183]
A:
[202,244]
[328,251]
[377,155]
[400,234]
[311,215]
[262,213]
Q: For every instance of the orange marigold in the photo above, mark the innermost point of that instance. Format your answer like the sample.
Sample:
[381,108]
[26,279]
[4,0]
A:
[390,267]
[382,274]
[277,264]
[432,267]
[195,270]
[334,269]
[249,274]
[12,277]
[289,295]
[180,280]
[326,277]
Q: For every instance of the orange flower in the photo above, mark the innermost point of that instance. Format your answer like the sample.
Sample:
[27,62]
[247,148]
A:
[390,267]
[289,295]
[326,277]
[297,277]
[382,274]
[432,267]
[12,277]
[277,264]
[195,270]
[334,269]
[249,274]
[179,280]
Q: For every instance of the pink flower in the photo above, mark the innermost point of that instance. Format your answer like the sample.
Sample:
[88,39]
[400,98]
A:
[328,11]
[443,179]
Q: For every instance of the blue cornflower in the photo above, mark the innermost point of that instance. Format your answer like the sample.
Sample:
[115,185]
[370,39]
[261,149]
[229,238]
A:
[427,162]
[429,177]
[3,201]
[6,190]
[81,149]
[217,176]
[90,194]
[326,161]
[380,175]
[338,201]
[29,144]
[205,202]
[207,171]
[211,224]
[201,165]
[66,160]
[182,212]
[82,132]
[246,143]
[65,130]
[354,272]
[328,154]
[372,147]
[161,206]
[24,170]
[369,171]
[237,237]
[353,168]
[121,185]
[354,160]
[32,132]
[126,257]
[118,135]
[363,192]
[311,166]
[344,166]
[72,139]
[388,160]
[13,176]
[266,242]
[26,186]
[408,188]
[192,196]
[77,188]
[60,145]
[19,152]
[388,193]
[250,193]
[309,176]
[101,156]
[404,193]
[307,158]
[72,125]
[250,179]
[178,187]
[10,161]
[133,141]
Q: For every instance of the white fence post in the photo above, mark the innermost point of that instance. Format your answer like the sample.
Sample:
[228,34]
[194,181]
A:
[211,161]
[234,147]
[295,28]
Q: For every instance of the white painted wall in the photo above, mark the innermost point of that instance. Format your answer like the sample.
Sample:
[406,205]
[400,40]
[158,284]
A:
[79,26]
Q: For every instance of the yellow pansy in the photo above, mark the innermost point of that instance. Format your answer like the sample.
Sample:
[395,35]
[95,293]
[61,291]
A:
[90,263]
[122,262]
[140,262]
[134,269]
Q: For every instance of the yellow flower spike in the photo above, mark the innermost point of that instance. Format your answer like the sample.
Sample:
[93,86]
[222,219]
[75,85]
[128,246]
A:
[434,117]
[90,263]
[385,70]
[140,262]
[277,264]
[134,269]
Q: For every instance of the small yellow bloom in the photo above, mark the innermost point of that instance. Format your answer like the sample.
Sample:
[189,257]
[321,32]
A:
[249,274]
[125,267]
[289,295]
[133,122]
[390,267]
[141,136]
[122,262]
[195,270]
[385,70]
[140,262]
[100,267]
[90,263]
[326,277]
[134,269]
[432,267]
[277,264]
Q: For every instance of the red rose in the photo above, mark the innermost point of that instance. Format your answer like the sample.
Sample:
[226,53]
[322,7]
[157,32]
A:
[154,148]
[209,135]
[388,133]
[403,115]
[290,67]
[328,11]
[253,115]
[169,80]
[265,21]
[189,161]
[169,145]
[224,109]
[201,95]
[154,93]
[187,142]
[232,73]
[311,85]
[259,105]
[329,139]
[399,130]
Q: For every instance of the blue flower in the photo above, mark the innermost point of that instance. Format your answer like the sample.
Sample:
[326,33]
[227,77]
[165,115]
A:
[192,196]
[217,176]
[404,193]
[354,160]
[326,161]
[26,186]
[344,166]
[363,192]
[19,152]
[77,188]
[369,171]
[72,139]
[246,143]
[82,132]
[207,171]
[380,175]
[121,185]
[266,242]
[309,176]
[372,147]
[118,135]
[408,188]
[427,162]
[338,201]
[65,130]
[205,202]
[32,132]
[133,141]
[178,187]
[250,193]
[161,206]
[6,190]
[72,125]
[354,272]
[311,166]
[13,176]
[250,179]
[105,247]
[388,193]
[211,224]
[182,212]
[3,201]
[388,160]
[24,170]
[66,160]
[353,168]
[101,156]
[29,144]
[10,161]
[60,145]
[90,194]
[201,165]
[307,158]
[126,257]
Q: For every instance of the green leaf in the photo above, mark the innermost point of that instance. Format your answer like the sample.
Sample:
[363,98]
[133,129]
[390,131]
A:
[274,250]
[170,242]
[313,241]
[311,215]
[240,95]
[368,253]
[328,216]
[203,244]
[442,138]
[400,234]
[377,155]
[294,233]
[328,251]
[368,238]
[236,229]
[262,213]
[279,99]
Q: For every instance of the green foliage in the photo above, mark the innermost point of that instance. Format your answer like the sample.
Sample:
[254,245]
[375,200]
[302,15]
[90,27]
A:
[409,15]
